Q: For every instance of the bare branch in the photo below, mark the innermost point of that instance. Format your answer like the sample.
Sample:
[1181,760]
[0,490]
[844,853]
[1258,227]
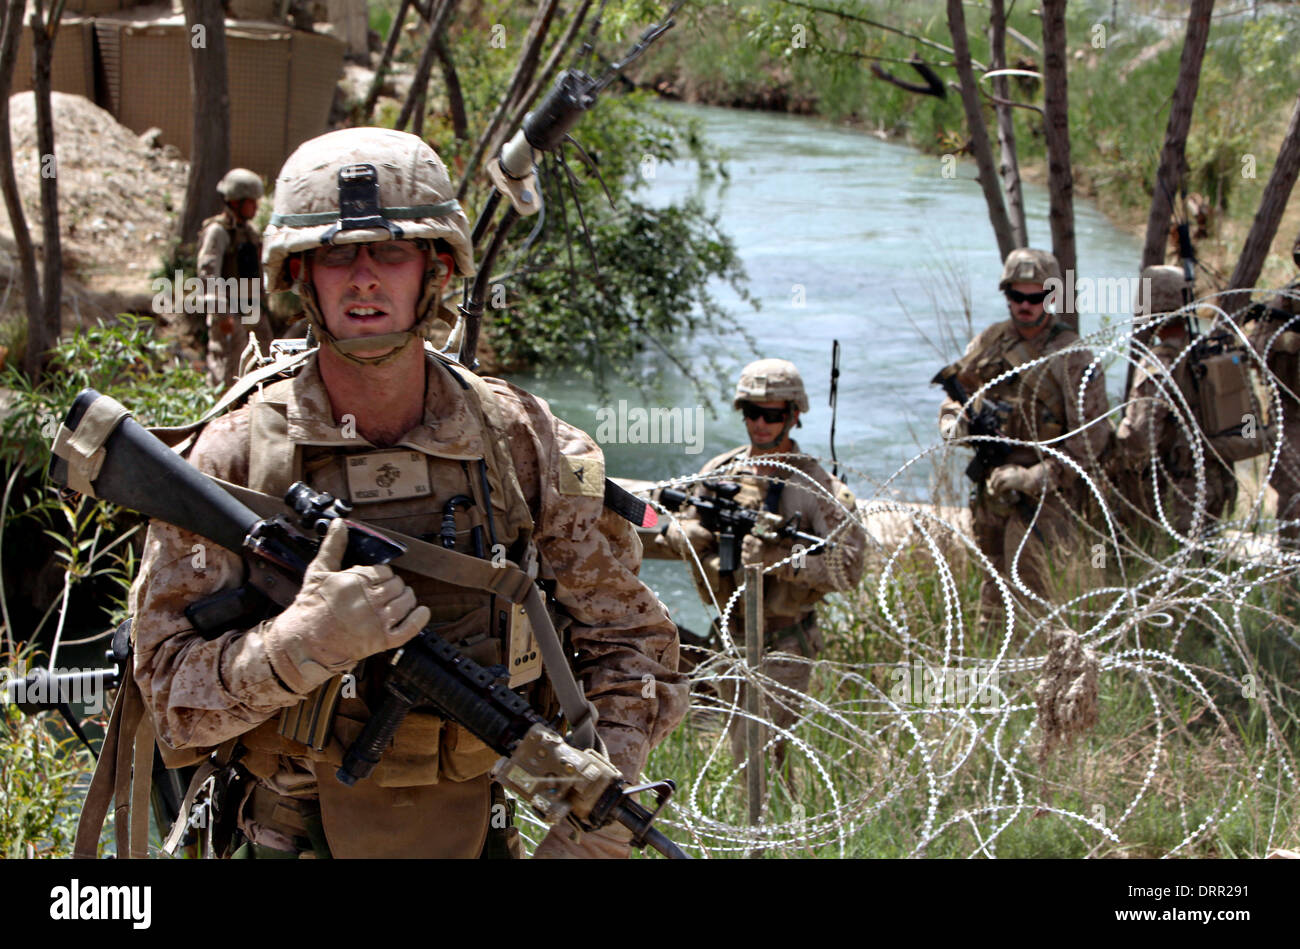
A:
[1172,157]
[979,136]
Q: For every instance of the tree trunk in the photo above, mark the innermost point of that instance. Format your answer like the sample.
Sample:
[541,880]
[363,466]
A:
[979,135]
[1180,120]
[1009,167]
[1060,179]
[524,71]
[210,140]
[13,28]
[455,97]
[44,324]
[420,83]
[394,33]
[1264,228]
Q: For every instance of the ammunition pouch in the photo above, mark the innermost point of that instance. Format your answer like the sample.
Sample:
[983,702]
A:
[1229,414]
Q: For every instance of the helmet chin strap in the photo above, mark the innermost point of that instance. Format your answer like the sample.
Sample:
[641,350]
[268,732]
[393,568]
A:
[1045,317]
[398,341]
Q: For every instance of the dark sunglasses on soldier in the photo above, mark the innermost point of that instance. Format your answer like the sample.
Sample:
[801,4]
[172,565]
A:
[770,416]
[381,252]
[1015,296]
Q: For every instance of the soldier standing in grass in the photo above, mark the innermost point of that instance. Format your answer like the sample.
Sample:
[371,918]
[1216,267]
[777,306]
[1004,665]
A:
[1024,509]
[770,397]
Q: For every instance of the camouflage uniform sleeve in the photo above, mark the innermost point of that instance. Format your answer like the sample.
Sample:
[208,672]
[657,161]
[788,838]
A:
[200,692]
[1144,416]
[1085,446]
[212,248]
[839,567]
[625,643]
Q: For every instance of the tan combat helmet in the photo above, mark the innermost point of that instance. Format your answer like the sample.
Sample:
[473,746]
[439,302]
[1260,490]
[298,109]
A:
[395,187]
[1027,265]
[240,183]
[771,380]
[1166,283]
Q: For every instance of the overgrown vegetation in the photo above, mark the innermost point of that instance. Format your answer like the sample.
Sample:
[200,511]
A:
[1121,78]
[44,771]
[91,544]
[640,281]
[1184,759]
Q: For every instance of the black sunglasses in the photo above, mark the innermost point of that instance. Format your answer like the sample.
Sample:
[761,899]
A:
[1015,296]
[770,416]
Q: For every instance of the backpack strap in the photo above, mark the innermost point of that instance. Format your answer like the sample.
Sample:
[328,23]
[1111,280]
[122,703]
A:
[180,437]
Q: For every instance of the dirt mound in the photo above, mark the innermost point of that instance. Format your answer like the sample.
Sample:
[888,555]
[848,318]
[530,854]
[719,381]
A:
[118,196]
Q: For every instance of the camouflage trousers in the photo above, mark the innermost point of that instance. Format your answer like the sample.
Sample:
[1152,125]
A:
[1037,544]
[782,706]
[1286,480]
[1136,509]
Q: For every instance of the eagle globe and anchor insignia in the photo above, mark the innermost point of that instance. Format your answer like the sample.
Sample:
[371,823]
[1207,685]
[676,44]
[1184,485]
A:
[388,475]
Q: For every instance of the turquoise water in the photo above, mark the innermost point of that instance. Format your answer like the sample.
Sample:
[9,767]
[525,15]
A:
[879,248]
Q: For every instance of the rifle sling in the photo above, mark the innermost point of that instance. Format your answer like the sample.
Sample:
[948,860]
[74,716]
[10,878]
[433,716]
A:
[506,581]
[177,435]
[219,760]
[113,779]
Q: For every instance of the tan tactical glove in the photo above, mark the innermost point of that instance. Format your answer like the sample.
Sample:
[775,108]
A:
[609,843]
[685,536]
[1009,479]
[339,617]
[560,782]
[952,421]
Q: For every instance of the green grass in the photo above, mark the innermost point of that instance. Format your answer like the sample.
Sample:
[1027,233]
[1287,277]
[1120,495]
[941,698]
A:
[1220,769]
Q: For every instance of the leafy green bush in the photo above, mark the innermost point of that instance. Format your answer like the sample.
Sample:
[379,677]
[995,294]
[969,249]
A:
[124,360]
[597,326]
[43,772]
[88,537]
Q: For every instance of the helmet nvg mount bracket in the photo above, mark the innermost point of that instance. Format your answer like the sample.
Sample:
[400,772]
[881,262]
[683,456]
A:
[364,185]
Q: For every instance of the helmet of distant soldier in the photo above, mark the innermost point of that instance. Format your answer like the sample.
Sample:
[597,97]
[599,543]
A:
[1028,265]
[240,183]
[1160,290]
[771,380]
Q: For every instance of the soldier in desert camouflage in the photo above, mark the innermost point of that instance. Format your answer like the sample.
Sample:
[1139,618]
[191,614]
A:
[1011,526]
[1153,455]
[770,396]
[230,247]
[1275,335]
[410,438]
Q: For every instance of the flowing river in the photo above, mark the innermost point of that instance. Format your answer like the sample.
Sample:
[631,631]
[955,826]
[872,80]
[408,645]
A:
[844,236]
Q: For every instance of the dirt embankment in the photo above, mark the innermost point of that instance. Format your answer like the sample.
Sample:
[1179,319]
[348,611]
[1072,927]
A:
[118,197]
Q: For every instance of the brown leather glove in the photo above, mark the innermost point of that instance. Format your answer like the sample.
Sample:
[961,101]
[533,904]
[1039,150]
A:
[339,617]
[952,421]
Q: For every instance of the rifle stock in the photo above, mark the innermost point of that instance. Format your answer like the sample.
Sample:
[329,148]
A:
[141,473]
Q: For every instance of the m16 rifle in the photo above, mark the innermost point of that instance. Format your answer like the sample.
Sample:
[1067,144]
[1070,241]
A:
[1265,312]
[137,471]
[987,422]
[725,517]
